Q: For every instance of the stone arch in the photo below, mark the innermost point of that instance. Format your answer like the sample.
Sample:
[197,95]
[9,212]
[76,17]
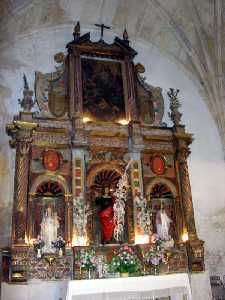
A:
[53,177]
[94,170]
[162,180]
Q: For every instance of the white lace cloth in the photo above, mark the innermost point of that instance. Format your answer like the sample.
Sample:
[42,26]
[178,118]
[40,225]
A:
[177,286]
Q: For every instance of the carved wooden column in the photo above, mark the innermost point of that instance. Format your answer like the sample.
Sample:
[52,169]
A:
[21,190]
[180,220]
[186,193]
[30,222]
[21,133]
[194,245]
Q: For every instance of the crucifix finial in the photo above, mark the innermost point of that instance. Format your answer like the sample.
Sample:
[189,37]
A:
[102,26]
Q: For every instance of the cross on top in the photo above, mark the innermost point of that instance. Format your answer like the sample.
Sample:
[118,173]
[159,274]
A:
[102,26]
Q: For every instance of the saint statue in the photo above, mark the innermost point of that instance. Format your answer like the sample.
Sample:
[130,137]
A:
[163,224]
[49,230]
[105,204]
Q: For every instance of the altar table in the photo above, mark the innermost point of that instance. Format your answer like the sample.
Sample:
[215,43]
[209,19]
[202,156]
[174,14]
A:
[177,286]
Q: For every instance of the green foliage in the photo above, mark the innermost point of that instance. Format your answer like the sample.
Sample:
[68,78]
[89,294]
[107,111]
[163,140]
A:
[125,261]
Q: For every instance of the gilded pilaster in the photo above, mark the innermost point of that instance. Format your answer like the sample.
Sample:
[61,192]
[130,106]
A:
[69,218]
[136,187]
[78,171]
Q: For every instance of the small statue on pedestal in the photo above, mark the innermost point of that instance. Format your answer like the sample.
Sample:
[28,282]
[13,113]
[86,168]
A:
[162,226]
[49,230]
[105,203]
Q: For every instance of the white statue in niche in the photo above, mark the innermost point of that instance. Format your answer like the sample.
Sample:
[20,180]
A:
[49,230]
[162,226]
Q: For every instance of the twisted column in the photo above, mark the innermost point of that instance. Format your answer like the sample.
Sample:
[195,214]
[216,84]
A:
[21,190]
[186,193]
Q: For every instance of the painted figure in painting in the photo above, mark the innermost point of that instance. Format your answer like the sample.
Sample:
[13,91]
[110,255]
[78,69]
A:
[103,90]
[105,204]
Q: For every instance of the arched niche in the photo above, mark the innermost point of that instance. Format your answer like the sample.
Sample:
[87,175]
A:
[162,192]
[47,190]
[101,167]
[99,176]
[49,177]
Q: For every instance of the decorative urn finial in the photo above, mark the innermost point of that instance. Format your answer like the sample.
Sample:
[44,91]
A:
[76,31]
[174,115]
[27,102]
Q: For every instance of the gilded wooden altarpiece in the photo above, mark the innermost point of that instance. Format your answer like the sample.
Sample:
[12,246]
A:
[95,114]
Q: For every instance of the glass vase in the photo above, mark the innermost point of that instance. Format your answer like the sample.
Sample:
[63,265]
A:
[156,270]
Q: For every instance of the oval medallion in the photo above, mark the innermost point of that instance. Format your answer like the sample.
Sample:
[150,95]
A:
[51,160]
[158,165]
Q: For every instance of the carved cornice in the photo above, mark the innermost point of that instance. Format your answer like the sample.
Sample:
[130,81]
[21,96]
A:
[108,134]
[53,124]
[23,124]
[158,138]
[51,138]
[165,147]
[187,137]
[108,142]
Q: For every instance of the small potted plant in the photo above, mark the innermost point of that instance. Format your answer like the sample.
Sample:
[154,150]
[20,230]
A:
[125,261]
[59,244]
[38,245]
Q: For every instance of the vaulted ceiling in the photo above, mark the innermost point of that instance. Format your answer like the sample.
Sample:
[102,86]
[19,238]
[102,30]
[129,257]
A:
[189,32]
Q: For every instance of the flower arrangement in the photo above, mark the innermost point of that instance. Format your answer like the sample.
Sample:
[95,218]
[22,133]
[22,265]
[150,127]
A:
[86,259]
[119,205]
[38,243]
[155,256]
[59,243]
[143,214]
[125,261]
[81,213]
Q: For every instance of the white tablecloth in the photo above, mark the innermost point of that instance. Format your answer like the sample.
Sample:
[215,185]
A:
[177,286]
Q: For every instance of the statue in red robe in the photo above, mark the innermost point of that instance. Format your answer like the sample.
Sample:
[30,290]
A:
[105,213]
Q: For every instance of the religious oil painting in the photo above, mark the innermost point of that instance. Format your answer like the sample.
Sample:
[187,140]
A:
[103,93]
